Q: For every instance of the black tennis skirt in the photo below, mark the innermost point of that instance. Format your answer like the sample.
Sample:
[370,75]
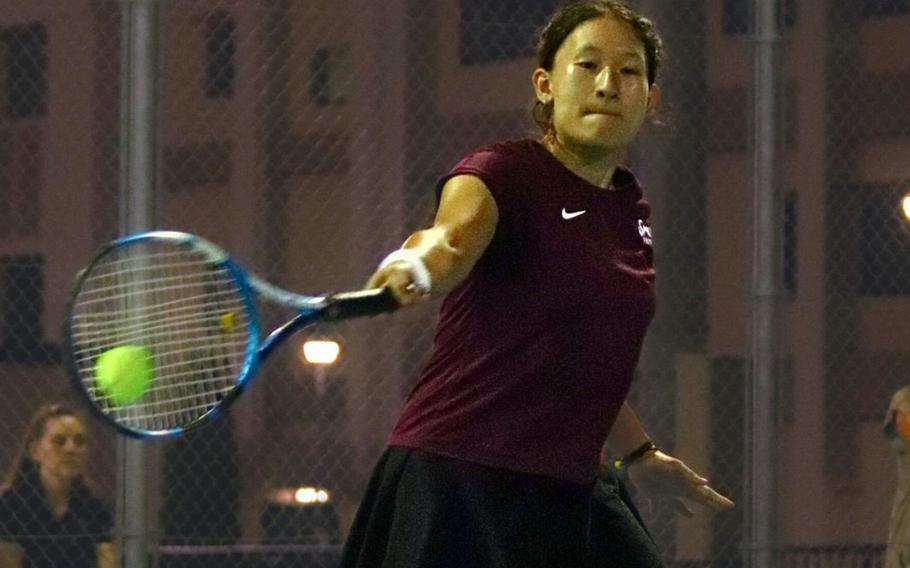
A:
[421,510]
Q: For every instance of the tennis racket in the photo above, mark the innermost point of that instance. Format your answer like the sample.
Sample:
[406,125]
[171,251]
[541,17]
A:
[192,309]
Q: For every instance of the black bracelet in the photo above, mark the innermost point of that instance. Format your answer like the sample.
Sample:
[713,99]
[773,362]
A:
[637,454]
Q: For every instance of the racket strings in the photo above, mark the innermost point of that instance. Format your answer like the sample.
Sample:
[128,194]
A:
[183,321]
[104,295]
[185,309]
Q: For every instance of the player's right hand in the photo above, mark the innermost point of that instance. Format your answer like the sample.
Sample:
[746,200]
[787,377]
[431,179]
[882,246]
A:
[398,278]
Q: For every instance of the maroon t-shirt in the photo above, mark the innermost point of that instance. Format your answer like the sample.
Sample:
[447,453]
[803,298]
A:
[535,351]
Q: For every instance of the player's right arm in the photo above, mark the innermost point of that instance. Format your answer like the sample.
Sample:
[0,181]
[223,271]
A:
[463,228]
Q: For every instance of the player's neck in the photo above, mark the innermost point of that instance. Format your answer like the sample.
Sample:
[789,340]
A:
[596,166]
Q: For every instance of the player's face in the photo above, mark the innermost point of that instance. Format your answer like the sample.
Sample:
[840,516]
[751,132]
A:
[62,449]
[598,86]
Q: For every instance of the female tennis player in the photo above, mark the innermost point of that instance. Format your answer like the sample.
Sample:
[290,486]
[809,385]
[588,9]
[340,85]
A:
[543,252]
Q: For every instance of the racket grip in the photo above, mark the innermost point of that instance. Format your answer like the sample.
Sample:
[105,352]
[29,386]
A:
[346,305]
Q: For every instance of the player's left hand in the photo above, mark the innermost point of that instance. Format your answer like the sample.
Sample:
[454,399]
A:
[659,476]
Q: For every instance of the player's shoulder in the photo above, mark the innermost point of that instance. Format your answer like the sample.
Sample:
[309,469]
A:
[504,158]
[504,154]
[502,166]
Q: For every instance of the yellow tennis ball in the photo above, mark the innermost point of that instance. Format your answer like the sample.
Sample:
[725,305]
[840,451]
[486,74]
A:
[124,373]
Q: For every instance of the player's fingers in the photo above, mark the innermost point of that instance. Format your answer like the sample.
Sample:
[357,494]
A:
[387,276]
[402,287]
[689,474]
[399,290]
[708,497]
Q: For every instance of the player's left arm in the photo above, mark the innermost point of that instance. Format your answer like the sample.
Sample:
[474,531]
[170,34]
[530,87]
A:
[656,474]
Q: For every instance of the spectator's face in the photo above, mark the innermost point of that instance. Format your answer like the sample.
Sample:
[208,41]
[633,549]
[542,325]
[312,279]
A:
[61,451]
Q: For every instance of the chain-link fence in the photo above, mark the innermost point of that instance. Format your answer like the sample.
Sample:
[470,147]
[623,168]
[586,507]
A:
[306,136]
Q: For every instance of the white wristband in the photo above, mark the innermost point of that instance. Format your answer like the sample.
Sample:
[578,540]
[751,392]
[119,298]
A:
[417,267]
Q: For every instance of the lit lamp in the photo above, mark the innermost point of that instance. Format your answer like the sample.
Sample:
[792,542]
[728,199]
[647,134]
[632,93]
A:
[300,515]
[320,351]
[311,495]
[905,206]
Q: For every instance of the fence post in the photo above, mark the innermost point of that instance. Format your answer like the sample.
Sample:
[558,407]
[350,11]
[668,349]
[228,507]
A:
[137,191]
[765,269]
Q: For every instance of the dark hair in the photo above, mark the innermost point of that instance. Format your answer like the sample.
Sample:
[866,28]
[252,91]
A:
[564,21]
[23,466]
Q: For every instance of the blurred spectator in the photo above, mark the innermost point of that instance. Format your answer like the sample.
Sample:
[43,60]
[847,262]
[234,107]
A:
[897,429]
[49,516]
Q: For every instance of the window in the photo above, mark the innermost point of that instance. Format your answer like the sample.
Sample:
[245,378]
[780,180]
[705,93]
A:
[884,243]
[23,57]
[220,47]
[501,30]
[330,75]
[20,181]
[881,8]
[21,308]
[738,18]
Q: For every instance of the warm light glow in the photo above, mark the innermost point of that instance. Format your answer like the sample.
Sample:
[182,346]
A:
[311,495]
[905,206]
[321,352]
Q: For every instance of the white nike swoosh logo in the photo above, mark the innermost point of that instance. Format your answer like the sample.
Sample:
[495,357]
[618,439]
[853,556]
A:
[572,215]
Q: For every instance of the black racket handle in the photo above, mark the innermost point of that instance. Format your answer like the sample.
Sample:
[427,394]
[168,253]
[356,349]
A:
[372,302]
[344,305]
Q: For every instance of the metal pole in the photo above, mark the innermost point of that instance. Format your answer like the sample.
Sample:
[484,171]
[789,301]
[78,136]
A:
[137,191]
[764,283]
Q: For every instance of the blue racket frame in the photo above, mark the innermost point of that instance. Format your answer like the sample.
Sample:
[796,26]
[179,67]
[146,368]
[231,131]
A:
[310,309]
